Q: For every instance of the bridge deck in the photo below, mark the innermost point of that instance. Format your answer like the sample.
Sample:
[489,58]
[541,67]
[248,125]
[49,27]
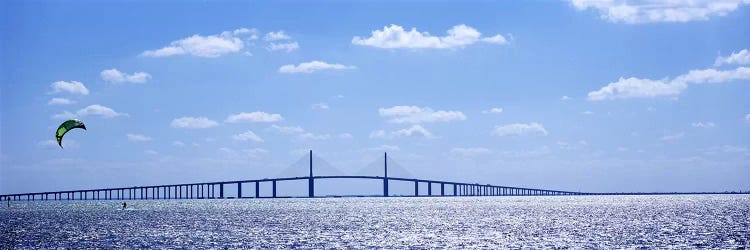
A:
[202,190]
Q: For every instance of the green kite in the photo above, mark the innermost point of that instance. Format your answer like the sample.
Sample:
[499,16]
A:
[67,126]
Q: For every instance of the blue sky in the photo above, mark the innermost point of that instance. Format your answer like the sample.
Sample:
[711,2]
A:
[580,95]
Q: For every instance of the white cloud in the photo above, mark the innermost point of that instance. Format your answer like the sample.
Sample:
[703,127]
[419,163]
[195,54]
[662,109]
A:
[672,137]
[493,111]
[650,11]
[520,129]
[742,57]
[257,116]
[565,98]
[414,130]
[703,124]
[193,122]
[205,46]
[99,110]
[247,136]
[178,143]
[747,118]
[641,88]
[313,66]
[72,87]
[394,37]
[714,76]
[288,47]
[60,101]
[414,114]
[151,152]
[345,136]
[320,106]
[469,151]
[299,133]
[137,138]
[275,36]
[636,88]
[587,112]
[115,76]
[91,110]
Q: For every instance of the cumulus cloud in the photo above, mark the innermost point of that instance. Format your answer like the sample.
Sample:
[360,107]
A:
[672,137]
[414,130]
[99,110]
[469,151]
[313,66]
[747,118]
[178,143]
[742,57]
[565,98]
[287,47]
[520,129]
[703,124]
[256,116]
[138,138]
[414,114]
[247,136]
[72,87]
[205,46]
[193,122]
[652,11]
[642,88]
[395,37]
[299,133]
[345,136]
[493,111]
[91,110]
[60,101]
[637,88]
[277,35]
[115,76]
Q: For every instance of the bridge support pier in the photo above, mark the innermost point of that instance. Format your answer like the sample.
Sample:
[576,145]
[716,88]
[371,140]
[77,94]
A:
[311,181]
[239,190]
[221,191]
[273,184]
[442,189]
[429,188]
[416,188]
[257,189]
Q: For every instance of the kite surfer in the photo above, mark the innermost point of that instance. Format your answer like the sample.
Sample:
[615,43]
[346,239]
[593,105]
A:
[124,205]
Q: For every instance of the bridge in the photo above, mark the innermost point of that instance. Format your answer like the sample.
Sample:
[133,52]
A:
[215,190]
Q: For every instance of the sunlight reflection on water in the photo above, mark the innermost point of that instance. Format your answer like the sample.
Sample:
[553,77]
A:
[698,221]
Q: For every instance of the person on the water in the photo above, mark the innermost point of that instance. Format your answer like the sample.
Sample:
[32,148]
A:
[124,205]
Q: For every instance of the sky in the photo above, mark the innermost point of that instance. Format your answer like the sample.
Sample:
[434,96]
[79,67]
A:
[594,96]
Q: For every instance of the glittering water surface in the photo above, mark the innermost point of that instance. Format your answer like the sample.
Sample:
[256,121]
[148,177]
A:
[697,221]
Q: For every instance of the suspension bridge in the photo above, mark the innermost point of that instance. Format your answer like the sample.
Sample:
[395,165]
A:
[216,190]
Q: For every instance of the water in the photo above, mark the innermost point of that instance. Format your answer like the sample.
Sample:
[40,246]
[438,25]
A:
[698,221]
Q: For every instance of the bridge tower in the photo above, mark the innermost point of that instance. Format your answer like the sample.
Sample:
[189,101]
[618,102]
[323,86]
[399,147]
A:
[385,180]
[311,181]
